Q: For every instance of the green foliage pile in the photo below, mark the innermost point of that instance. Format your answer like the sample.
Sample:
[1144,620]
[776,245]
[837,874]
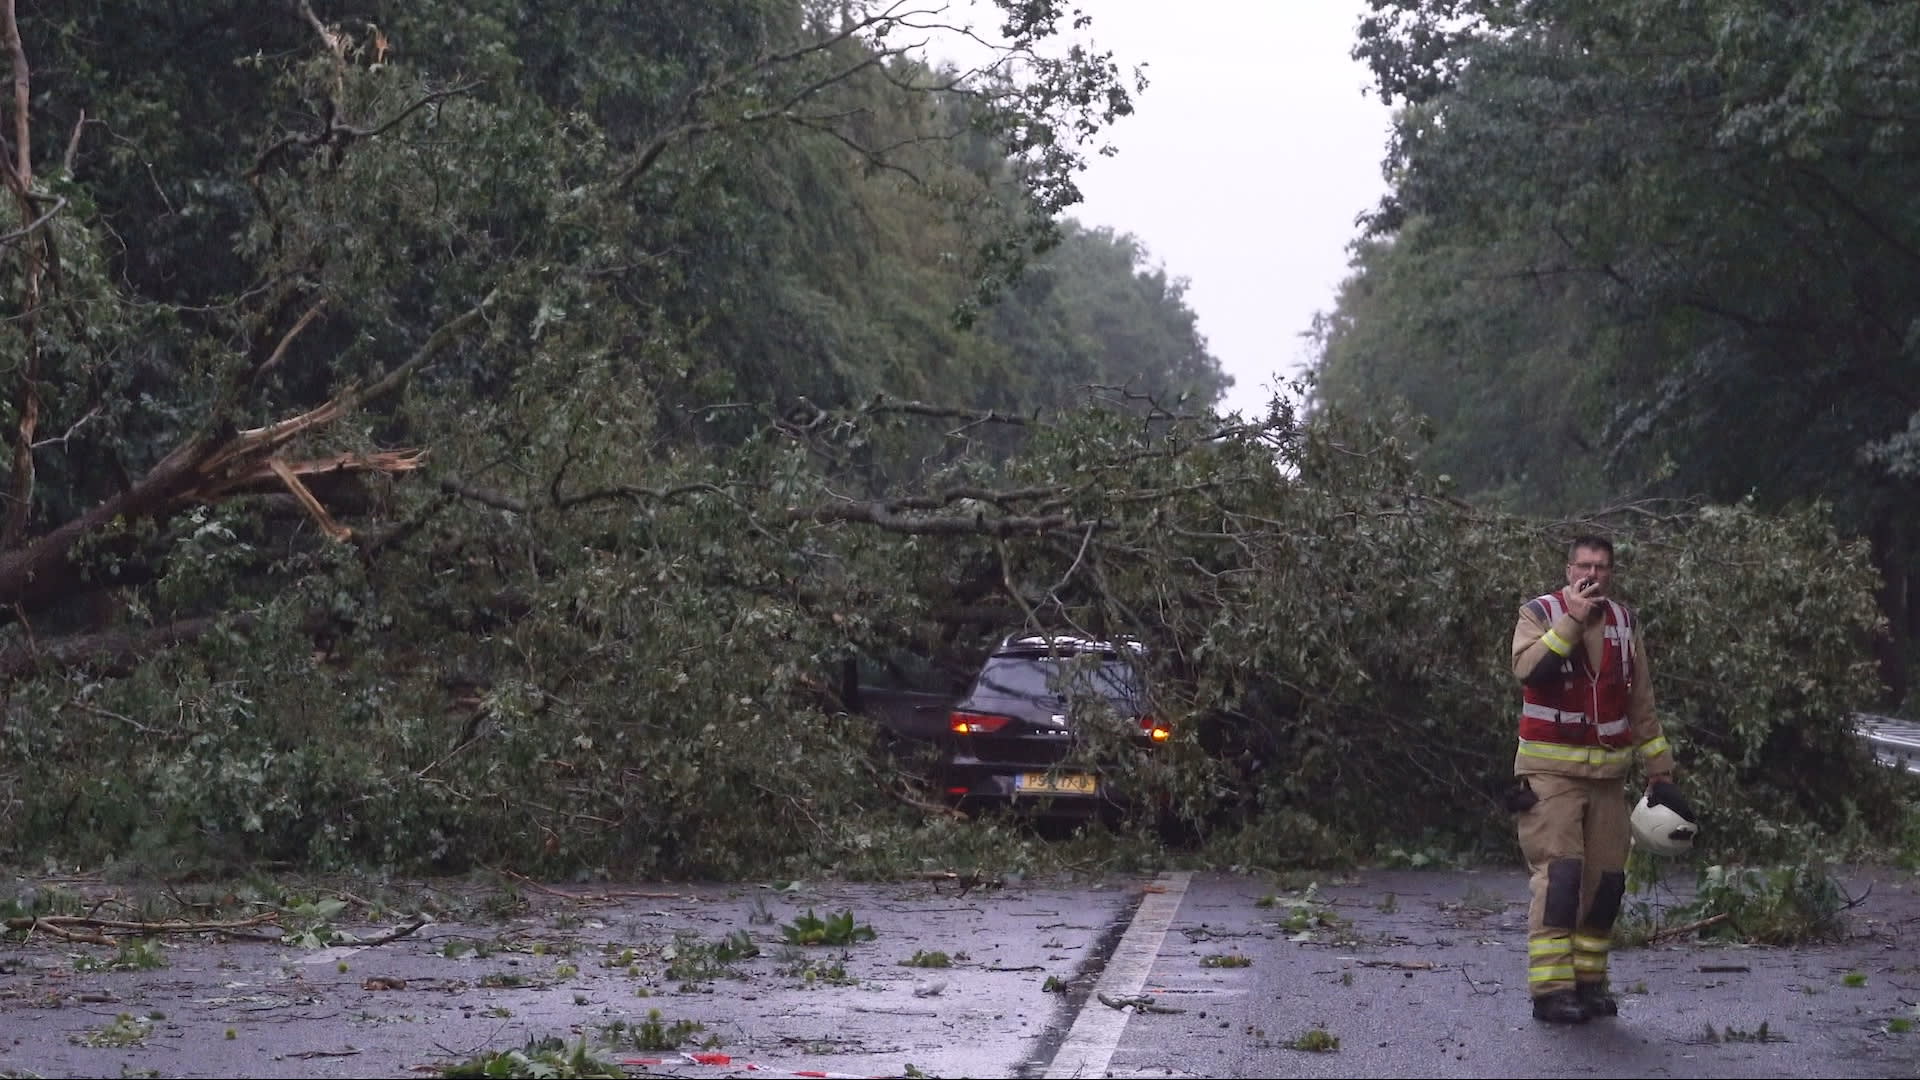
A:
[1783,905]
[656,695]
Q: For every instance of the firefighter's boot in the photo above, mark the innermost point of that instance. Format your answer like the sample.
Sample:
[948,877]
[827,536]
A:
[1596,1000]
[1560,1007]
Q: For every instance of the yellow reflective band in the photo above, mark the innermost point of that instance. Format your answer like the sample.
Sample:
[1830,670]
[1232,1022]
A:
[1654,747]
[1580,755]
[1550,973]
[1584,943]
[1589,962]
[1549,945]
[1556,644]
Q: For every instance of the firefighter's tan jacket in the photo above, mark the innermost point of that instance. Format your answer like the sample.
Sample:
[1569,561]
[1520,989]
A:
[1649,742]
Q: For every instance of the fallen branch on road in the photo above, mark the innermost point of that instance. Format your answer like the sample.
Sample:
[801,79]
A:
[1676,931]
[1474,984]
[62,932]
[396,935]
[1143,1003]
[1402,965]
[85,928]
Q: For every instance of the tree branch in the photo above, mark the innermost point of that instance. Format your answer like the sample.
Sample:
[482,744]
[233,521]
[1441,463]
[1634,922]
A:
[73,145]
[372,545]
[112,652]
[977,494]
[91,415]
[651,153]
[636,493]
[686,125]
[307,502]
[921,408]
[398,376]
[887,515]
[280,350]
[334,132]
[335,46]
[427,99]
[884,516]
[480,495]
[875,158]
[26,231]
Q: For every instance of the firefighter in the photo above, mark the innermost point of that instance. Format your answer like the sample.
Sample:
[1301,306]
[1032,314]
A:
[1586,716]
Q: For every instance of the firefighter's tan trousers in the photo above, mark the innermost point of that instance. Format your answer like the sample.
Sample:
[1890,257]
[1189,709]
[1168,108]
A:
[1575,842]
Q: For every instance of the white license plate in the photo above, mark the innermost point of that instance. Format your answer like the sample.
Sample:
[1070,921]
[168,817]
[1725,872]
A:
[1057,783]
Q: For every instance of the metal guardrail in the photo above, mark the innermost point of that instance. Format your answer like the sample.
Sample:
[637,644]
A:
[1894,741]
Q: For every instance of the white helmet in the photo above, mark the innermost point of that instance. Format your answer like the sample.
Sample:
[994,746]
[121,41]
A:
[1661,829]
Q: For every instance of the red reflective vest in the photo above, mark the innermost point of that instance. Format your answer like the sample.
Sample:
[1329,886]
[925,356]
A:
[1583,707]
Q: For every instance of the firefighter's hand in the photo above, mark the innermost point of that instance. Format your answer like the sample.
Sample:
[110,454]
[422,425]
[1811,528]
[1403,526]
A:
[1583,599]
[1662,792]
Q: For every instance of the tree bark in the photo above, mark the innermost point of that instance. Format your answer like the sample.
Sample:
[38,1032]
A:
[112,652]
[44,570]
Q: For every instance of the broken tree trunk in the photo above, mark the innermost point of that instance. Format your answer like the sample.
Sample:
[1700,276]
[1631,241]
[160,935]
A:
[45,571]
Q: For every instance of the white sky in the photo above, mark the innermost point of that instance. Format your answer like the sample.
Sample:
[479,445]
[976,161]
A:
[1250,154]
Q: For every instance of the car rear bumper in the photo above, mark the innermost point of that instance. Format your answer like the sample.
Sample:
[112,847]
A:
[983,784]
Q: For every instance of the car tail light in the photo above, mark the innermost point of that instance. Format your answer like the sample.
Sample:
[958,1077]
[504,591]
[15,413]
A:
[972,723]
[1153,729]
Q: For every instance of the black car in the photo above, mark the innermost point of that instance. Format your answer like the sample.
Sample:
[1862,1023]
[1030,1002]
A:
[1035,700]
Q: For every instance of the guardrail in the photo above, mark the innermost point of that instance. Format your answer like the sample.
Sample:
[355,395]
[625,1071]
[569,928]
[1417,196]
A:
[1894,741]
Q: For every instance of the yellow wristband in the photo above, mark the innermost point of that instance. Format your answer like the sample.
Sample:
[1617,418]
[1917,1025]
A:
[1556,644]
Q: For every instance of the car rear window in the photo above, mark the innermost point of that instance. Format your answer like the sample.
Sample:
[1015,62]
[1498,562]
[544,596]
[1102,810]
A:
[1050,676]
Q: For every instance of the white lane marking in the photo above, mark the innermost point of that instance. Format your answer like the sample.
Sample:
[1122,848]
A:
[1096,1032]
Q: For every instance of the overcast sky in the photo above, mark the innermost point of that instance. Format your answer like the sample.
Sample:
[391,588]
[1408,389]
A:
[1250,155]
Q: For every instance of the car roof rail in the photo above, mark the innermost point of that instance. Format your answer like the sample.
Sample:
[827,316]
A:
[1066,643]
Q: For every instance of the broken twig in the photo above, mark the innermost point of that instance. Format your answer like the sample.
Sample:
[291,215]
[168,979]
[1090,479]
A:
[1676,931]
[78,927]
[1143,1003]
[396,935]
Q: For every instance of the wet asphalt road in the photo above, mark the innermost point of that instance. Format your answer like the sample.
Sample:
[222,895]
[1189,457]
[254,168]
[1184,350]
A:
[1420,974]
[1415,973]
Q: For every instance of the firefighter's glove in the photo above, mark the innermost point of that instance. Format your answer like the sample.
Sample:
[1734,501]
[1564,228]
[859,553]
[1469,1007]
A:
[1520,798]
[1666,793]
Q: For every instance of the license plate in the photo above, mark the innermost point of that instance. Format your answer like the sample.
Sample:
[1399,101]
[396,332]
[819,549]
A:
[1058,783]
